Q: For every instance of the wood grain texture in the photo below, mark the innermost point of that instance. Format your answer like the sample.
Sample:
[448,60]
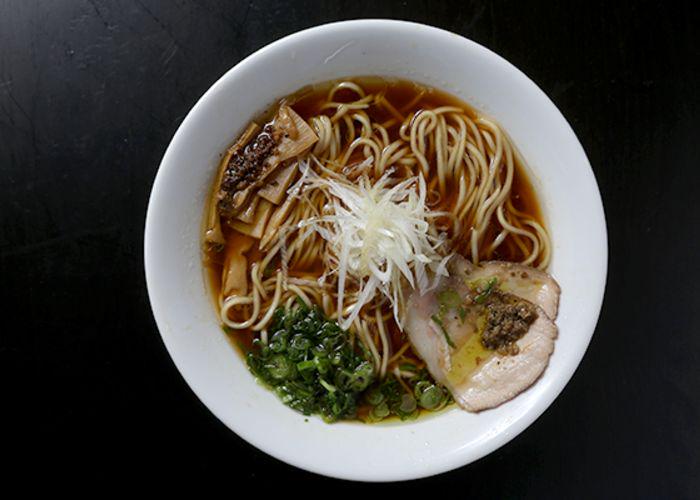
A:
[91,93]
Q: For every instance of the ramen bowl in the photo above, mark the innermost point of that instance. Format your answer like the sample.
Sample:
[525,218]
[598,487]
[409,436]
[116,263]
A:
[177,284]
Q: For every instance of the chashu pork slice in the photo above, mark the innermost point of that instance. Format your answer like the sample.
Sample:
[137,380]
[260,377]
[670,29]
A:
[446,325]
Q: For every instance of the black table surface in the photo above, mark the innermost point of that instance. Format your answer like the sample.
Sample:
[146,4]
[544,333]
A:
[91,93]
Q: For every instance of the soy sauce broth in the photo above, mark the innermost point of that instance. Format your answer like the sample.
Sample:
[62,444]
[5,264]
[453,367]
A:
[406,97]
[410,97]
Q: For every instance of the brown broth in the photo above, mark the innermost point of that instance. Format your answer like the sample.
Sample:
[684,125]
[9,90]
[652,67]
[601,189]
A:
[402,93]
[406,97]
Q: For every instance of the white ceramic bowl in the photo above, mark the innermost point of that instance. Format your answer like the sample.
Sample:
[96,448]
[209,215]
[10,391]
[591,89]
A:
[181,302]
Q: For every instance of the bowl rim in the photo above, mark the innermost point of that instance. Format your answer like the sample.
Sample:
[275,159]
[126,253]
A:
[458,459]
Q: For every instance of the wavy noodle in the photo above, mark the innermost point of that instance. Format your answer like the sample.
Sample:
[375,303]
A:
[470,167]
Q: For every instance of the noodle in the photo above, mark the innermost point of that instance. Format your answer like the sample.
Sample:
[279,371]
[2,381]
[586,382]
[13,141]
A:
[470,167]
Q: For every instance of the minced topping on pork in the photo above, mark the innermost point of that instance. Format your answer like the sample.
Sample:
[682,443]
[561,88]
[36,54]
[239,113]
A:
[508,318]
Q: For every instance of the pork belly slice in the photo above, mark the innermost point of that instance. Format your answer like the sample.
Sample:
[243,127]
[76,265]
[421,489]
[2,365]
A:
[506,302]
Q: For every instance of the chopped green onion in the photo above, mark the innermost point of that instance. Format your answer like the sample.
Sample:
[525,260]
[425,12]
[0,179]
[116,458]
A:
[462,312]
[439,323]
[486,291]
[408,403]
[279,367]
[306,365]
[431,397]
[329,387]
[311,365]
[374,396]
[380,411]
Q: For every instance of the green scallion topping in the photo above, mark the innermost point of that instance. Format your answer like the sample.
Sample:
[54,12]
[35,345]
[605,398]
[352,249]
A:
[438,322]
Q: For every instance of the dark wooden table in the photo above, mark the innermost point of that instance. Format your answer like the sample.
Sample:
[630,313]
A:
[91,93]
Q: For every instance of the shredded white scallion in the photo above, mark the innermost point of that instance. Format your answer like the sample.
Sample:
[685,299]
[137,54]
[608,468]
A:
[378,234]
